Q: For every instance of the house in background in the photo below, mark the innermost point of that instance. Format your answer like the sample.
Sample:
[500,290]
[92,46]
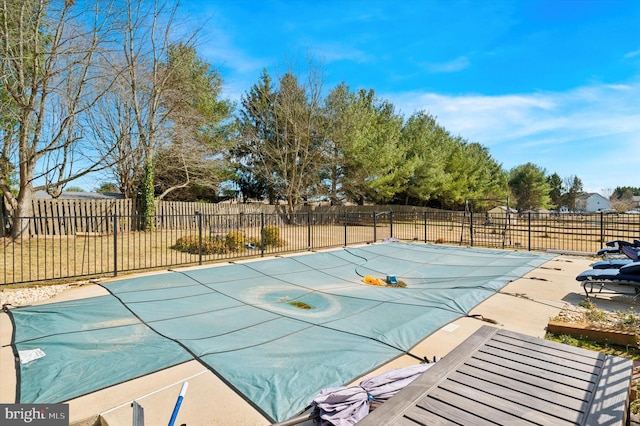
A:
[498,215]
[77,195]
[502,210]
[539,212]
[592,202]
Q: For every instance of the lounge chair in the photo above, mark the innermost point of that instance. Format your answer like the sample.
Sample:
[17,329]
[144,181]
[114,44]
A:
[611,263]
[615,247]
[626,276]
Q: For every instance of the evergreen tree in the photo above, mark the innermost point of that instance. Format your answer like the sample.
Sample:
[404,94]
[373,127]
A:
[373,153]
[428,147]
[530,187]
[555,183]
[256,126]
[573,188]
[280,137]
[198,128]
[339,124]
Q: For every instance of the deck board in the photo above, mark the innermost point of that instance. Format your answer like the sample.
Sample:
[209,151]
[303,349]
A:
[532,364]
[523,393]
[506,378]
[531,353]
[553,382]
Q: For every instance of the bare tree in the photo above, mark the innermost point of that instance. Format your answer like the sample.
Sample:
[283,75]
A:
[282,133]
[51,59]
[622,201]
[145,37]
[199,127]
[112,126]
[166,101]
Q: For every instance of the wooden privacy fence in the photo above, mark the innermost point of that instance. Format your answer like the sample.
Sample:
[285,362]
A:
[57,217]
[70,217]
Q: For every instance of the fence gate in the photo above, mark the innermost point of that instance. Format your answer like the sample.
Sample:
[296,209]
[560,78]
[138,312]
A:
[489,229]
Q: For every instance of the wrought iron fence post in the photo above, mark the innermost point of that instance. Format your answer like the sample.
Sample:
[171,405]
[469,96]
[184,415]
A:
[471,228]
[601,227]
[425,226]
[115,244]
[262,234]
[391,224]
[529,228]
[375,227]
[345,228]
[308,230]
[199,216]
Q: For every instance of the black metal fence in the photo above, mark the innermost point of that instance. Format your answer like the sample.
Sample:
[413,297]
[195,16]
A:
[109,245]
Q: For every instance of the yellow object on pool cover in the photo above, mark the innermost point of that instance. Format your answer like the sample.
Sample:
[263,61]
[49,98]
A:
[277,330]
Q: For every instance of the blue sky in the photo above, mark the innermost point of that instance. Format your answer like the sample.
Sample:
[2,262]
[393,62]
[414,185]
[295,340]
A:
[556,82]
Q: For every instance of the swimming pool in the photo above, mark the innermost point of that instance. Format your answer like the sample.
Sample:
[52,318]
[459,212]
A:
[277,330]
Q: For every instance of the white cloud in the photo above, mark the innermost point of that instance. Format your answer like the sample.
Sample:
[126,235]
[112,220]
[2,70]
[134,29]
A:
[592,132]
[632,54]
[458,64]
[332,52]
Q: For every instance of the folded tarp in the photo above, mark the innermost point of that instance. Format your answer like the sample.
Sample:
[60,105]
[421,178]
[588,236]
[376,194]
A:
[616,247]
[632,252]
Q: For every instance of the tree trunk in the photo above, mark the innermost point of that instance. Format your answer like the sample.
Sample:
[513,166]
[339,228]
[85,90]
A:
[22,213]
[291,207]
[148,197]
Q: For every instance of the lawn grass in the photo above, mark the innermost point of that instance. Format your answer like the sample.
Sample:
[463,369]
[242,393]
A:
[55,259]
[628,352]
[44,258]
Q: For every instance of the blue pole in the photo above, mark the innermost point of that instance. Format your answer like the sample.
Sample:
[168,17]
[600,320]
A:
[183,391]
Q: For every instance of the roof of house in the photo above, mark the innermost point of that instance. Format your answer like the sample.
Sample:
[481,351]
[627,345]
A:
[504,208]
[74,195]
[587,195]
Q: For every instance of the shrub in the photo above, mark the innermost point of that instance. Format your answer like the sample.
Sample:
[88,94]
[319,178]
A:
[189,244]
[271,237]
[627,320]
[596,315]
[235,240]
[214,246]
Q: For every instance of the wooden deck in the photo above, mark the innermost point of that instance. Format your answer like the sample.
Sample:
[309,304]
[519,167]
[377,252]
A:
[502,377]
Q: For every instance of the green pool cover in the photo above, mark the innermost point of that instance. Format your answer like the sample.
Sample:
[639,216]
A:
[277,330]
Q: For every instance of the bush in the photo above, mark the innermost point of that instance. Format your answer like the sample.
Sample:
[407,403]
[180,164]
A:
[235,240]
[189,244]
[271,237]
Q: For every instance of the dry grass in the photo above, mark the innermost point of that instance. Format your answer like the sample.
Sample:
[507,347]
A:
[61,258]
[64,258]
